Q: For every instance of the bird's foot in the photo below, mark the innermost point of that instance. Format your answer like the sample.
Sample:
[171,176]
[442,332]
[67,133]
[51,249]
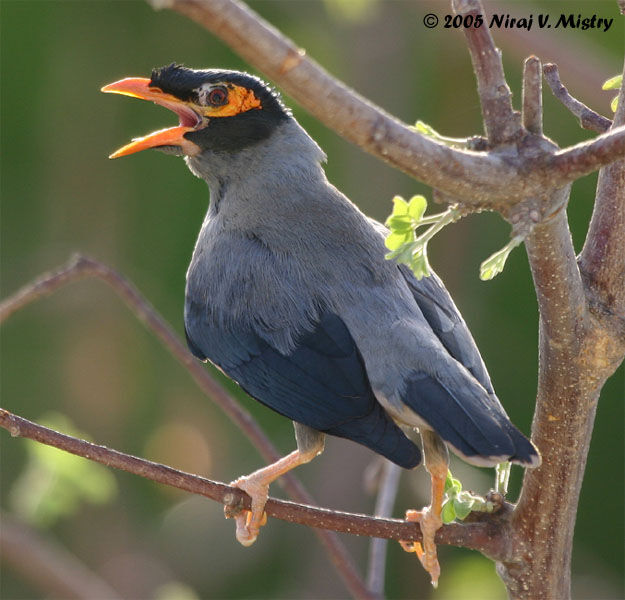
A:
[249,522]
[430,523]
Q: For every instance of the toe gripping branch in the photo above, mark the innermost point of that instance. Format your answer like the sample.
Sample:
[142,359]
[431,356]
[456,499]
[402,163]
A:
[436,463]
[310,443]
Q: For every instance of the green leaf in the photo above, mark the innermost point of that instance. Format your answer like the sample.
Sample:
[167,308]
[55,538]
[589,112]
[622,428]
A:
[495,263]
[614,104]
[448,514]
[419,261]
[417,207]
[400,206]
[394,241]
[425,129]
[614,83]
[463,506]
[403,253]
[399,223]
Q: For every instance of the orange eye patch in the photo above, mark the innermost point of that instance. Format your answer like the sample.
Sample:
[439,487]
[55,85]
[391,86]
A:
[240,100]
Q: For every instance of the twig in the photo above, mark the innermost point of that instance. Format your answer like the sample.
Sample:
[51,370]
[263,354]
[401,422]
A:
[474,535]
[602,259]
[532,96]
[501,122]
[588,118]
[389,484]
[80,267]
[47,565]
[475,178]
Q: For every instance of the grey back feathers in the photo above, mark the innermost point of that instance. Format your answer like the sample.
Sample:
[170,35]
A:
[282,256]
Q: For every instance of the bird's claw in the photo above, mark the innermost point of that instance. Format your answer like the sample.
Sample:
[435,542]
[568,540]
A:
[249,522]
[426,551]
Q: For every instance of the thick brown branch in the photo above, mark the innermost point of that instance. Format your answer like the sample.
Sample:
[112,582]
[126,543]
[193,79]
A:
[588,118]
[477,536]
[81,267]
[501,122]
[475,178]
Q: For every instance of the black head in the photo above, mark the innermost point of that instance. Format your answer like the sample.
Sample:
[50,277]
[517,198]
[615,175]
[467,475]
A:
[219,111]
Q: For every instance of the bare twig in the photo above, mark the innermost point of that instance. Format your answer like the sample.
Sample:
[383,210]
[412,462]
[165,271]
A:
[588,118]
[501,122]
[80,267]
[602,260]
[389,483]
[474,535]
[48,566]
[532,96]
[477,179]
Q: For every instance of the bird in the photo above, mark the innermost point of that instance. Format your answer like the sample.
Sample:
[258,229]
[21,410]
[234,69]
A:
[290,294]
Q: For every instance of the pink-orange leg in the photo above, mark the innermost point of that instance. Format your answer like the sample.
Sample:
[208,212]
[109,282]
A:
[256,485]
[436,463]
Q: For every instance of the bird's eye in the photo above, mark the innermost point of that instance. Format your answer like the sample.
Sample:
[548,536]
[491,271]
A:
[218,96]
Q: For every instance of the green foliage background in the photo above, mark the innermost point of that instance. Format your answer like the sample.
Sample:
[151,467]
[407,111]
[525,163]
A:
[81,354]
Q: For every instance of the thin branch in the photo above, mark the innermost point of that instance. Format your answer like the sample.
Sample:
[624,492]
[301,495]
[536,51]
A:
[602,259]
[48,566]
[478,179]
[532,96]
[477,535]
[389,484]
[588,118]
[501,122]
[80,267]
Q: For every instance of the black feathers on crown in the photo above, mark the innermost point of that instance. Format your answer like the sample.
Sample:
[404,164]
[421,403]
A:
[181,82]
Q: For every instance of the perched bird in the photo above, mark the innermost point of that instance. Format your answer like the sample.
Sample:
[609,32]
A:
[289,293]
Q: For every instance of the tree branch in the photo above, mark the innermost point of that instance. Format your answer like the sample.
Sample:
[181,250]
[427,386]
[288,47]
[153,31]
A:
[501,122]
[588,118]
[532,115]
[602,260]
[477,535]
[80,267]
[477,179]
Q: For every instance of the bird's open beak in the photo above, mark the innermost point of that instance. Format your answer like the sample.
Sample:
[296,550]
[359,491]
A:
[190,120]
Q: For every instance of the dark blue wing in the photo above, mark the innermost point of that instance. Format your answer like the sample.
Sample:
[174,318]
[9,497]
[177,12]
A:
[444,318]
[469,416]
[321,383]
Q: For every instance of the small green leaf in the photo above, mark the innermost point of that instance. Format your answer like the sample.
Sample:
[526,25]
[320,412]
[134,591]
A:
[419,261]
[448,514]
[417,207]
[403,253]
[614,83]
[614,104]
[400,206]
[463,507]
[399,223]
[495,263]
[394,241]
[425,129]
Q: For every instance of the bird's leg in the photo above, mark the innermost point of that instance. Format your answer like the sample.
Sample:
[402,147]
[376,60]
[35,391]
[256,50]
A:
[310,443]
[436,459]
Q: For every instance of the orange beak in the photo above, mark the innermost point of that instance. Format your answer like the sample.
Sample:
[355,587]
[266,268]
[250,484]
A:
[190,119]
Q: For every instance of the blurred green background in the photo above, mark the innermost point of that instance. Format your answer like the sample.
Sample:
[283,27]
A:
[79,359]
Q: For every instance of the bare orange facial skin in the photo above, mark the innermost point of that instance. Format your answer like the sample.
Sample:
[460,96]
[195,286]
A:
[240,100]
